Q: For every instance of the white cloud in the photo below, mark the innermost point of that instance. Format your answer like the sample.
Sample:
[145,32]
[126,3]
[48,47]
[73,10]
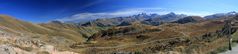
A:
[83,16]
[129,12]
[195,13]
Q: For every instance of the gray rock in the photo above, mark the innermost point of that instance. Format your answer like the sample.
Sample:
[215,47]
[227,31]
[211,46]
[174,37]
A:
[5,49]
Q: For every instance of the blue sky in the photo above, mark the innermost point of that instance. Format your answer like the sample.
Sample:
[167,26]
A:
[68,10]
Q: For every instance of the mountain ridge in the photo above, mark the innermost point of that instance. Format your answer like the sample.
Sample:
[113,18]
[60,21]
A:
[143,17]
[124,32]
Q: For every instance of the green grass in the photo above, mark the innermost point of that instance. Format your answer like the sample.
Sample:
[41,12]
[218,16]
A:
[235,37]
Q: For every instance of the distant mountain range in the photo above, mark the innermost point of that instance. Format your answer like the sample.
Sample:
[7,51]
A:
[153,19]
[221,15]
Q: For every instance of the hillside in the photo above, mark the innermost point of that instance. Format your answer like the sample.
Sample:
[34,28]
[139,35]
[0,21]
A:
[190,19]
[51,29]
[57,34]
[191,34]
[153,39]
[14,25]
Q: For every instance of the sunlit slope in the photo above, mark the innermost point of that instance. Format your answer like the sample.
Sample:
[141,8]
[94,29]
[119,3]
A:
[17,26]
[72,31]
[69,31]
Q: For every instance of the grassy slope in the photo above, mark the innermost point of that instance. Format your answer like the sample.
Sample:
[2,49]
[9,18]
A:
[12,25]
[73,32]
[193,32]
[80,34]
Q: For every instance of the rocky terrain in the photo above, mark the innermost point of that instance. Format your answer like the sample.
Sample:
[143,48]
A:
[138,34]
[26,38]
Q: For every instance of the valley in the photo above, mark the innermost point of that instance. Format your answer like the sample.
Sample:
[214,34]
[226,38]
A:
[138,34]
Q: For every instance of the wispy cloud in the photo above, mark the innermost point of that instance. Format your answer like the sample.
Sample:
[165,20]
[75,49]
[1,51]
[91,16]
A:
[83,16]
[201,13]
[129,12]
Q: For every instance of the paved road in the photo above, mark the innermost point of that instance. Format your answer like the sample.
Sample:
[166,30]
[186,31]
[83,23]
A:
[234,51]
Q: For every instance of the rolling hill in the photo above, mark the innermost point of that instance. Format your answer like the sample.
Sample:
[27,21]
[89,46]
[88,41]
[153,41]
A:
[142,33]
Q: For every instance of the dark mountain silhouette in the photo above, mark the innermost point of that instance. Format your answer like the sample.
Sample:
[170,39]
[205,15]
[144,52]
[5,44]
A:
[191,19]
